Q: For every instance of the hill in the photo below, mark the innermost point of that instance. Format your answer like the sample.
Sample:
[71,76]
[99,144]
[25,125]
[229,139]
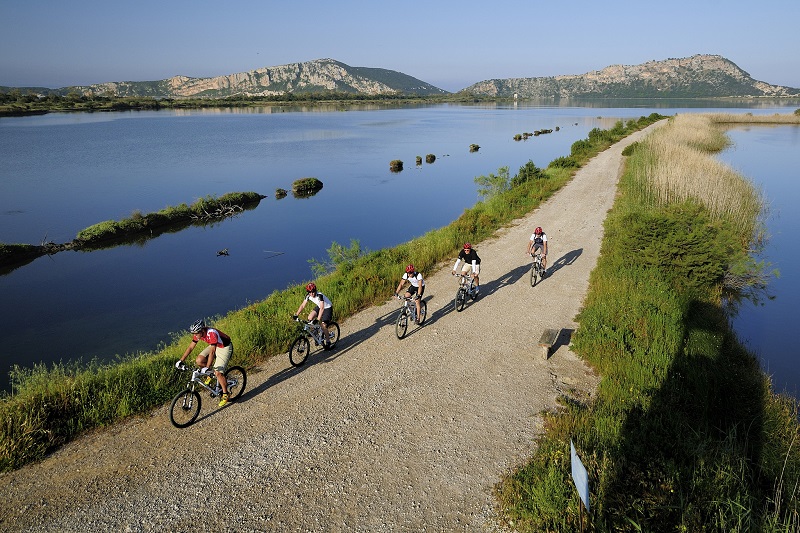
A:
[319,75]
[699,76]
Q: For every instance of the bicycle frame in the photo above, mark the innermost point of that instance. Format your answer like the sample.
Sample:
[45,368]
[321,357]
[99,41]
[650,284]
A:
[196,380]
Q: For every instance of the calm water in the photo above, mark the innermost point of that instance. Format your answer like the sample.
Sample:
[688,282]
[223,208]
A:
[60,173]
[770,157]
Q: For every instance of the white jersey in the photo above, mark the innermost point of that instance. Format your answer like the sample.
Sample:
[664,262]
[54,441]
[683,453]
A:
[320,300]
[539,239]
[415,280]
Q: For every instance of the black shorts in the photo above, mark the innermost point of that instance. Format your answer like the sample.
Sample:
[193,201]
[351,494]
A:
[327,315]
[412,290]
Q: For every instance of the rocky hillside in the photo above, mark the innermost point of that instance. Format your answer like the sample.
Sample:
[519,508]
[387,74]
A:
[693,77]
[312,76]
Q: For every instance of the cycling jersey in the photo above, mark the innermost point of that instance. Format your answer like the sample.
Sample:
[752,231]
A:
[213,336]
[539,239]
[415,279]
[320,300]
[468,258]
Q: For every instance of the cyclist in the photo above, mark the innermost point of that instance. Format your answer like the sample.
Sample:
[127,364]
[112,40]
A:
[471,263]
[539,242]
[323,311]
[415,289]
[217,353]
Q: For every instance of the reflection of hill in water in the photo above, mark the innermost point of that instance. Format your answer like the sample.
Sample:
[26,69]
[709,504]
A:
[15,258]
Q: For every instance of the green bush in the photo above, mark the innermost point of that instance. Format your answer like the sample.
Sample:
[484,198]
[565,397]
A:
[564,162]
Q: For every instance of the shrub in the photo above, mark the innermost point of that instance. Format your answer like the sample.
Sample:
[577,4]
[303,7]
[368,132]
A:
[527,172]
[305,187]
[474,147]
[395,165]
[564,162]
[430,158]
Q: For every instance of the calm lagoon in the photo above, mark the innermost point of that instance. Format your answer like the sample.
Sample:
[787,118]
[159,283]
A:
[60,173]
[769,157]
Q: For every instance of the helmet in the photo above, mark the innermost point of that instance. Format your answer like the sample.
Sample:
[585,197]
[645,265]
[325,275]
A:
[467,246]
[311,287]
[197,326]
[538,230]
[410,269]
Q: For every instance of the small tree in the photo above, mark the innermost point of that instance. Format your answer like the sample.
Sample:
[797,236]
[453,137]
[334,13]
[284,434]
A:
[492,184]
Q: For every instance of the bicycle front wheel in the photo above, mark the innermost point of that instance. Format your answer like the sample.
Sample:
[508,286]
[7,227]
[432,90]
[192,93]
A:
[401,326]
[298,353]
[534,275]
[333,335]
[461,299]
[237,381]
[185,408]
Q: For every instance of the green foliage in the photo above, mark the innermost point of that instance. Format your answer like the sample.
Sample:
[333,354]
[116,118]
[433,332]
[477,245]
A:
[630,149]
[564,162]
[204,209]
[395,165]
[339,256]
[430,158]
[493,185]
[306,187]
[528,171]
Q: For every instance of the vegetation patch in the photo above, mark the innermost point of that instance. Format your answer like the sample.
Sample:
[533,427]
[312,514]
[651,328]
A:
[305,187]
[685,433]
[395,165]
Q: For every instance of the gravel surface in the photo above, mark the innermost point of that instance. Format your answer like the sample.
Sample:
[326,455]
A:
[380,434]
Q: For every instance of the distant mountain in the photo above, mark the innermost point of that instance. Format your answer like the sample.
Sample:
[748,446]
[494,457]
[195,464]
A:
[318,75]
[698,76]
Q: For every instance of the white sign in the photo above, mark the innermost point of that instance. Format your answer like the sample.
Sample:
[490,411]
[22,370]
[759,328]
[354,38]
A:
[579,476]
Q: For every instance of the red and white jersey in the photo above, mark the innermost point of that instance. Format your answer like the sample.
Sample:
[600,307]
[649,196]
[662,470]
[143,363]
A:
[213,336]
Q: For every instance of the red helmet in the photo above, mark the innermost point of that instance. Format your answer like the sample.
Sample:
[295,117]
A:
[311,287]
[410,269]
[467,246]
[538,230]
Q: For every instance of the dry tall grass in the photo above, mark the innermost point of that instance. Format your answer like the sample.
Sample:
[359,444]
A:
[678,165]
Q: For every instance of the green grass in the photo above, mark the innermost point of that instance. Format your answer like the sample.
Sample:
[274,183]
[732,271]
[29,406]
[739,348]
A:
[50,406]
[685,433]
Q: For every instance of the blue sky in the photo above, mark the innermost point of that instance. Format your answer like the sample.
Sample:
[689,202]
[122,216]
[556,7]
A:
[53,43]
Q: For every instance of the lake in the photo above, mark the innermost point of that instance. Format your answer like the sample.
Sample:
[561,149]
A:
[63,172]
[769,156]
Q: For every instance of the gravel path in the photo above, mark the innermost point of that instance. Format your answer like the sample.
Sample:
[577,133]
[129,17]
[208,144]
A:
[378,435]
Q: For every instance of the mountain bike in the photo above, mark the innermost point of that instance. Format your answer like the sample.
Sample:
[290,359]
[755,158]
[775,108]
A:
[186,405]
[298,353]
[466,289]
[409,312]
[537,270]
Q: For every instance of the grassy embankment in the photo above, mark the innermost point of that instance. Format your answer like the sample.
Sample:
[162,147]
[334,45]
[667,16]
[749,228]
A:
[50,406]
[685,433]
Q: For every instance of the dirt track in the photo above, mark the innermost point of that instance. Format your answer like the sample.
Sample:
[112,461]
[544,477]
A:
[380,434]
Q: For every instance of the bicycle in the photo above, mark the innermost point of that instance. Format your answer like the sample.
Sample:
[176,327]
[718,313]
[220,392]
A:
[186,405]
[409,312]
[466,289]
[298,352]
[537,270]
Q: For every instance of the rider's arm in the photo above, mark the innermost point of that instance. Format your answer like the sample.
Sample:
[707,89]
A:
[474,266]
[530,246]
[400,286]
[545,248]
[455,267]
[189,350]
[302,306]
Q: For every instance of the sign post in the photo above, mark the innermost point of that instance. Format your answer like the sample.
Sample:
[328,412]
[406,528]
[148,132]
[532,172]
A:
[581,479]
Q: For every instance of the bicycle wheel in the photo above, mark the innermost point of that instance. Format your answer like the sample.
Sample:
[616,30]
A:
[461,299]
[423,312]
[298,353]
[237,381]
[534,275]
[185,408]
[333,335]
[401,326]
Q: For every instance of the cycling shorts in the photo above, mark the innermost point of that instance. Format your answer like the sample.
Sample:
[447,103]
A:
[221,357]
